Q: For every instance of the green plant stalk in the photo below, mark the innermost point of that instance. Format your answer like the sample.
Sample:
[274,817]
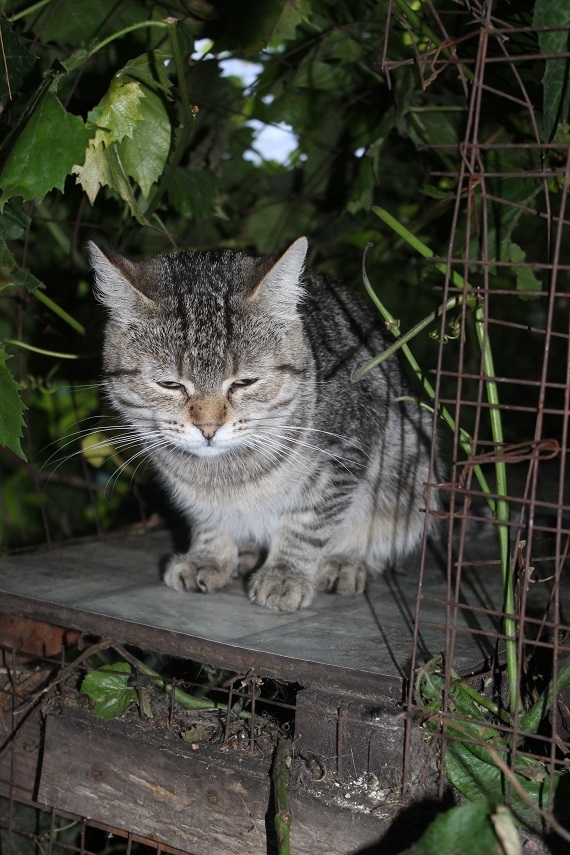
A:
[41,350]
[185,700]
[484,702]
[57,310]
[502,512]
[464,438]
[421,27]
[282,763]
[140,25]
[187,121]
[29,11]
[452,303]
[499,508]
[530,721]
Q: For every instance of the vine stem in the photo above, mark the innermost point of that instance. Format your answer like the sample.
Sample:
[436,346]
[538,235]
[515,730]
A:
[57,310]
[29,11]
[43,352]
[188,116]
[185,700]
[499,508]
[392,325]
[281,766]
[140,25]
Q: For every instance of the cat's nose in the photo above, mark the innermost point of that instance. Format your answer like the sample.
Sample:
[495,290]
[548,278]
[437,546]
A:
[208,429]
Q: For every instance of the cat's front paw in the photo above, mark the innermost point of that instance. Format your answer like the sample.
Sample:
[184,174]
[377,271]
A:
[280,589]
[340,574]
[192,573]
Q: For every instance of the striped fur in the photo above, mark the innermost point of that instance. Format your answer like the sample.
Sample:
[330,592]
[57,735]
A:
[235,374]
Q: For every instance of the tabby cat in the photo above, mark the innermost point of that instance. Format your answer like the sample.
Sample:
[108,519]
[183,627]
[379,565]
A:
[235,372]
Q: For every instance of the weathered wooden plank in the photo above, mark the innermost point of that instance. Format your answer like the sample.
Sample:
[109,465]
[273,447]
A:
[198,801]
[19,764]
[350,736]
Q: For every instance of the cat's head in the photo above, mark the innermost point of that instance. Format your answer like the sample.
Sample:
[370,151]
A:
[201,346]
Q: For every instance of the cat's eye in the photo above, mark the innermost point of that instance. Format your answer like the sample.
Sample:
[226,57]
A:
[169,384]
[242,383]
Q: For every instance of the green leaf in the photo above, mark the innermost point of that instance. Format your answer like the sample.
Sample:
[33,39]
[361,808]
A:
[15,62]
[132,139]
[150,70]
[477,779]
[362,191]
[76,21]
[14,222]
[193,192]
[320,75]
[10,270]
[103,168]
[109,690]
[527,282]
[556,79]
[248,27]
[144,154]
[11,409]
[50,144]
[292,15]
[466,830]
[118,113]
[95,171]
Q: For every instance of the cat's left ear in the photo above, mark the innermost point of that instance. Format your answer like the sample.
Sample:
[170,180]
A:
[280,288]
[118,284]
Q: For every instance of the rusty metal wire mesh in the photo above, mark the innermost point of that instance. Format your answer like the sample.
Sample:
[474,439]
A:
[532,383]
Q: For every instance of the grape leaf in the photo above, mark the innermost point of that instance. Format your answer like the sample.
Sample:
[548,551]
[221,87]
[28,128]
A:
[11,409]
[109,690]
[117,113]
[16,62]
[193,192]
[50,144]
[76,21]
[527,282]
[103,168]
[13,222]
[554,13]
[149,69]
[144,154]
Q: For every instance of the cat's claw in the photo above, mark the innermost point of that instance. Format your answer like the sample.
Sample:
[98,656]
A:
[184,573]
[280,590]
[342,575]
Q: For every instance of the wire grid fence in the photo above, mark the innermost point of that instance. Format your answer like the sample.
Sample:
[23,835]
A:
[213,713]
[528,396]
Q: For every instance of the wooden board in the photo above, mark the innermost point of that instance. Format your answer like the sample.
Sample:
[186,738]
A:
[111,587]
[192,800]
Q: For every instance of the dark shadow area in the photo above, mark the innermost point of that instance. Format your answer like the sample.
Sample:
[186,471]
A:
[409,825]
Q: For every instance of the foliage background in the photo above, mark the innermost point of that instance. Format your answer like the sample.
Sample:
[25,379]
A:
[122,126]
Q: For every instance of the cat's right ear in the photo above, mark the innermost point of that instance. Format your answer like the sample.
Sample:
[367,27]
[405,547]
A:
[116,284]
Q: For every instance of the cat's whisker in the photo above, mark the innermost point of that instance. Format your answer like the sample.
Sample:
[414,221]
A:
[340,436]
[118,444]
[146,451]
[283,449]
[80,434]
[335,457]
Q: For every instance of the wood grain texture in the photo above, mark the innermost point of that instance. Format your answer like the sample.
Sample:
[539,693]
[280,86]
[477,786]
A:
[199,801]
